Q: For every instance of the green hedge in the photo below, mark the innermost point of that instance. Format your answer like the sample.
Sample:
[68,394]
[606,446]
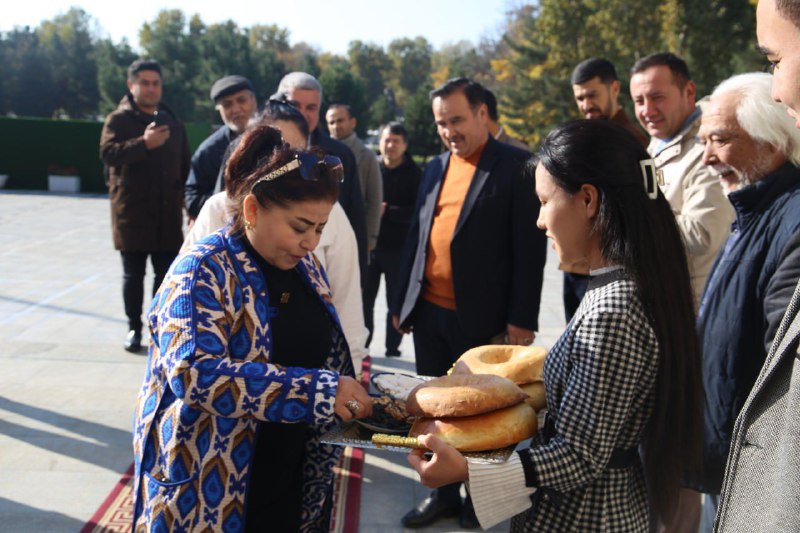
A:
[30,146]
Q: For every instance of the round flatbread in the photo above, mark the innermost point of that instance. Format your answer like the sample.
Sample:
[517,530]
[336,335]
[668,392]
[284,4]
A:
[463,395]
[489,431]
[520,364]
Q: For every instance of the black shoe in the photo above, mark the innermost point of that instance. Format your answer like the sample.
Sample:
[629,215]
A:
[133,342]
[467,519]
[429,511]
[395,353]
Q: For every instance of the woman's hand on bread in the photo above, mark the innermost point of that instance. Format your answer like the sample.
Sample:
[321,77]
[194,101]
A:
[352,400]
[446,466]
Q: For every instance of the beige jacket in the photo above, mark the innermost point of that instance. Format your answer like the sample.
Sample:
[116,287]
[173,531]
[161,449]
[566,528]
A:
[701,208]
[369,174]
[503,136]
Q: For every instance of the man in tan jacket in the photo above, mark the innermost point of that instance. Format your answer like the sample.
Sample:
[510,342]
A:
[664,101]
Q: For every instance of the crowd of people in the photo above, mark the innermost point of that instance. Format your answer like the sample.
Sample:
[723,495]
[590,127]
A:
[671,393]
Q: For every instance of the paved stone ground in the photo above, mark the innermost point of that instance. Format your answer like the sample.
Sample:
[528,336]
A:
[67,388]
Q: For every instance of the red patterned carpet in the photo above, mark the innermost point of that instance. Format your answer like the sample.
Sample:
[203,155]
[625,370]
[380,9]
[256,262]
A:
[116,512]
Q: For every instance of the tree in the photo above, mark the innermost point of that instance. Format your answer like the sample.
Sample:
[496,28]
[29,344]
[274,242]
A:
[174,43]
[112,72]
[521,74]
[384,109]
[339,86]
[225,50]
[370,63]
[412,65]
[546,41]
[302,57]
[269,37]
[68,43]
[4,107]
[267,44]
[30,91]
[464,59]
[715,55]
[423,140]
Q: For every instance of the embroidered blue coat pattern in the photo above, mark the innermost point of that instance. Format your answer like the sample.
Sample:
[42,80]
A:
[208,384]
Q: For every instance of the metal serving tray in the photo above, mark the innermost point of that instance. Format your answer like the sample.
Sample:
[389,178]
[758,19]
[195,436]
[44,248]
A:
[357,436]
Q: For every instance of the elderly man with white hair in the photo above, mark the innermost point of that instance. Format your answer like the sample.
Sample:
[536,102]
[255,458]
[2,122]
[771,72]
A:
[751,143]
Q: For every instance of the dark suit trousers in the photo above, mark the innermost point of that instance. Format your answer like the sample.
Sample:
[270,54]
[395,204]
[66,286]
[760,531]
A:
[133,271]
[386,263]
[438,341]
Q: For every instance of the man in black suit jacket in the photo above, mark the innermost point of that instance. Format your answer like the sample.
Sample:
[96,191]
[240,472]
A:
[304,92]
[473,263]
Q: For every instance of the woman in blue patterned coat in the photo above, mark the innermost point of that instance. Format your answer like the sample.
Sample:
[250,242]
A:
[248,363]
[625,375]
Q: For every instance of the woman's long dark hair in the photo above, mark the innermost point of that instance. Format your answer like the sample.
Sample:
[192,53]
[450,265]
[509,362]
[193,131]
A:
[260,151]
[641,234]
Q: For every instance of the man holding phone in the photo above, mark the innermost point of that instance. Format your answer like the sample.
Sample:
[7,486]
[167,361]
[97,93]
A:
[147,154]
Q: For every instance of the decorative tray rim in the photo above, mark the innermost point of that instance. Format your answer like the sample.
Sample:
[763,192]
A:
[359,436]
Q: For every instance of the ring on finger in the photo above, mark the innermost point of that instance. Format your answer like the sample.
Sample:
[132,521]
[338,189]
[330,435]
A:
[353,406]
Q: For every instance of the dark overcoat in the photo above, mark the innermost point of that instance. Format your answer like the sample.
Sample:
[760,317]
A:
[145,186]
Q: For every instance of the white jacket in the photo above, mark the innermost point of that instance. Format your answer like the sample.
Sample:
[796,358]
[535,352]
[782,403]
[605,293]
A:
[338,253]
[701,208]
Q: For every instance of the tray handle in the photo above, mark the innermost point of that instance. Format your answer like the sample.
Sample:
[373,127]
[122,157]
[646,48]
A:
[381,439]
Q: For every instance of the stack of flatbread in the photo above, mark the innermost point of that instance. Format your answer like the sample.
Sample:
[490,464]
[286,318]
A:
[521,364]
[472,412]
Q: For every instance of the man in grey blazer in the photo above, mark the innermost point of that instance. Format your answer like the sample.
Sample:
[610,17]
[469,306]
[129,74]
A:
[761,491]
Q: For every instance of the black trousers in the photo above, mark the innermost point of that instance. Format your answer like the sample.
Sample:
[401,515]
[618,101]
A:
[133,271]
[386,263]
[438,341]
[572,292]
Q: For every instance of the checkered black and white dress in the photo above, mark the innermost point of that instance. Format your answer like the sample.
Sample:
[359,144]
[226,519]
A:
[600,379]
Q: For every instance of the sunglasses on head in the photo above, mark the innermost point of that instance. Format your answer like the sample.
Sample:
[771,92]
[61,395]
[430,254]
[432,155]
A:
[281,104]
[309,167]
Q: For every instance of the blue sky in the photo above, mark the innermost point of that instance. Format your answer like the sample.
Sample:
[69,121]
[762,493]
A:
[329,25]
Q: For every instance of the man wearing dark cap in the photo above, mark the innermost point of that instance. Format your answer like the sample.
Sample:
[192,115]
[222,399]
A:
[235,100]
[146,151]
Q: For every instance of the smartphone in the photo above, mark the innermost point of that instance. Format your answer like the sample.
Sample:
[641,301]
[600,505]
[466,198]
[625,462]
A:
[160,119]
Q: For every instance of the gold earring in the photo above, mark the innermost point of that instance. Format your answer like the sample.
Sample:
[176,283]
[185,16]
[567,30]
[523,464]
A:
[247,225]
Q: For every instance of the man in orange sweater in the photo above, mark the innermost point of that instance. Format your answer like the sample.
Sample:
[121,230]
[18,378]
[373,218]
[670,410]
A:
[473,264]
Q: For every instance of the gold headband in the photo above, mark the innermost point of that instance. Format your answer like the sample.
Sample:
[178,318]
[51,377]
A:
[278,172]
